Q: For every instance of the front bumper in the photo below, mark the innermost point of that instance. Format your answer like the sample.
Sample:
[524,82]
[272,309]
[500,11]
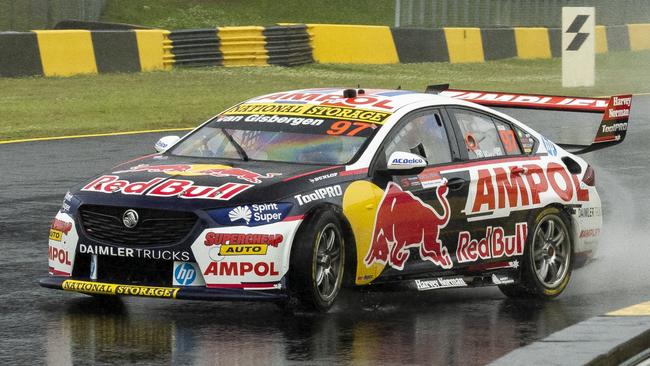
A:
[183,293]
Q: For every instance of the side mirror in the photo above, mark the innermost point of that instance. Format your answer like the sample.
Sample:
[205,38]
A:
[405,163]
[165,143]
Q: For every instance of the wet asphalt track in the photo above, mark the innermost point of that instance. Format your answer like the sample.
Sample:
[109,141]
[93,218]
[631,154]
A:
[462,327]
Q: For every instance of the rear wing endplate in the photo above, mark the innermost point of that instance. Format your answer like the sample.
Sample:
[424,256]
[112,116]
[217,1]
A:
[615,110]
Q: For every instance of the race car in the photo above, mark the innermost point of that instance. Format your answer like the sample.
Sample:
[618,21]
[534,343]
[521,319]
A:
[291,196]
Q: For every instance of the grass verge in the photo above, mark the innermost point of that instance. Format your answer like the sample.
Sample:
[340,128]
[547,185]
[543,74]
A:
[42,107]
[177,14]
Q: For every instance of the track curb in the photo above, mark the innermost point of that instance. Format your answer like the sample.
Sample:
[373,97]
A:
[608,339]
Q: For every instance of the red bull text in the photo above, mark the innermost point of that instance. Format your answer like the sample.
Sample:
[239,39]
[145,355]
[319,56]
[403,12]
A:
[495,244]
[159,187]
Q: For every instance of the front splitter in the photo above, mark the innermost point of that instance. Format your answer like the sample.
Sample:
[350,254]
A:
[181,293]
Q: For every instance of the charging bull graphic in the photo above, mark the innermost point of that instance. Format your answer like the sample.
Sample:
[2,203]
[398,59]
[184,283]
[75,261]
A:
[404,221]
[215,170]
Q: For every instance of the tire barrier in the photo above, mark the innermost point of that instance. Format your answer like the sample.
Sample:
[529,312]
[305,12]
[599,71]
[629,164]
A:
[193,47]
[285,45]
[71,52]
[382,45]
[288,45]
[243,46]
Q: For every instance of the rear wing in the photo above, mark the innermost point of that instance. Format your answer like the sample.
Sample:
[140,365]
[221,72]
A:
[613,112]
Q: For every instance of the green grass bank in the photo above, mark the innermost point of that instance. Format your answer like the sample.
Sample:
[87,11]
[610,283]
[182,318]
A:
[42,107]
[179,14]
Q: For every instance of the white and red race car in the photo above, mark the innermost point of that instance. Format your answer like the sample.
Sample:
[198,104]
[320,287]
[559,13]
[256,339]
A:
[293,195]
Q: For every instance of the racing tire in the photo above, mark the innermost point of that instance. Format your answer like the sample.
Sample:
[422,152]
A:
[317,263]
[548,258]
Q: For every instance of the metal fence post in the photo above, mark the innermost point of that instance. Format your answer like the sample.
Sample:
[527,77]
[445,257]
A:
[444,9]
[397,13]
[421,22]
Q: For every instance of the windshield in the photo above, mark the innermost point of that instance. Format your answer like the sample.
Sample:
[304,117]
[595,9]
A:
[277,137]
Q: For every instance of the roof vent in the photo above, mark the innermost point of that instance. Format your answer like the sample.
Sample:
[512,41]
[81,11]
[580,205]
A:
[436,89]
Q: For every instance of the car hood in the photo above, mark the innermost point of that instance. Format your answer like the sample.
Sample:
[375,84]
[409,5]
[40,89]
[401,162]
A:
[196,183]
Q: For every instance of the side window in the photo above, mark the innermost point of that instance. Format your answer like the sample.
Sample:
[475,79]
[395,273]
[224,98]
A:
[422,133]
[508,138]
[527,141]
[480,134]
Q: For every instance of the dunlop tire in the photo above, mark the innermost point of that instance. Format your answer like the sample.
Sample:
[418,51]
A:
[302,282]
[530,286]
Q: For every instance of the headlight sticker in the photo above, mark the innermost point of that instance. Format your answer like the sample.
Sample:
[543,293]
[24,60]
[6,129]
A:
[62,245]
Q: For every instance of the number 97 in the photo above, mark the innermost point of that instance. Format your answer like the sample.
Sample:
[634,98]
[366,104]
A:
[345,128]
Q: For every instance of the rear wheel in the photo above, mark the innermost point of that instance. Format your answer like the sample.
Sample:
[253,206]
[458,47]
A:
[548,258]
[317,261]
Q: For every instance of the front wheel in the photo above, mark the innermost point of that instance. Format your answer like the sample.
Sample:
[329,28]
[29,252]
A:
[548,258]
[317,261]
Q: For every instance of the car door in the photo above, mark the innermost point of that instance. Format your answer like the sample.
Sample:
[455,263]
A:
[417,209]
[491,229]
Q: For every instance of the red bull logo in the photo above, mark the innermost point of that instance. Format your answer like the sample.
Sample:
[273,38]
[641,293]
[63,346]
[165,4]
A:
[404,221]
[495,244]
[215,170]
[158,187]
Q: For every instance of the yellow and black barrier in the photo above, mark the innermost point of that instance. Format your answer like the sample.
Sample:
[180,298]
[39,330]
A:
[193,47]
[286,45]
[243,46]
[352,44]
[357,44]
[71,52]
[19,55]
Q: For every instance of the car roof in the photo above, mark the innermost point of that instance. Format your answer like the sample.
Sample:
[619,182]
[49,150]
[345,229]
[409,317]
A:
[384,100]
[373,99]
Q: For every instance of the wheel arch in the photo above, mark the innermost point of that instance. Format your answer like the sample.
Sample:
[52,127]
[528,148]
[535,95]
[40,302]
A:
[564,209]
[529,285]
[348,236]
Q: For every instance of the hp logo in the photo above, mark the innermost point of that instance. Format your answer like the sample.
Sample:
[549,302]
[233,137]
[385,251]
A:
[185,274]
